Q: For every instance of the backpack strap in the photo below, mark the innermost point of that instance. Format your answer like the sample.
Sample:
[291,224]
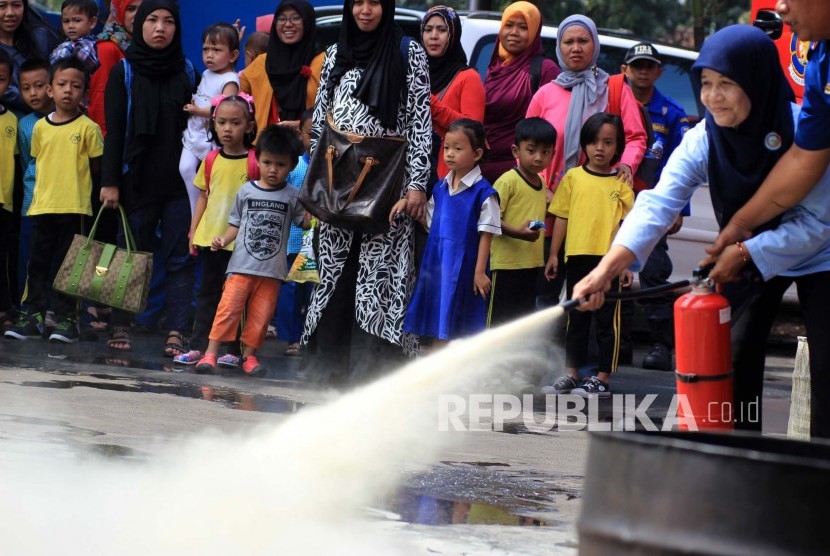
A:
[644,176]
[128,83]
[615,86]
[253,165]
[536,72]
[209,160]
[191,72]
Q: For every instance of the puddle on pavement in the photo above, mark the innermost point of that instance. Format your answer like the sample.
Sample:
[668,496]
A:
[292,377]
[228,397]
[112,451]
[414,507]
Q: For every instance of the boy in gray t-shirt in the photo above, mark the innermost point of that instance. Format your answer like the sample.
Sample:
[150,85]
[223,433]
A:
[259,222]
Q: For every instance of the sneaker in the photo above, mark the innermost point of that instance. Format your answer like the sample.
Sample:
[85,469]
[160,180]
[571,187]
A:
[66,331]
[190,358]
[252,367]
[593,388]
[28,325]
[659,358]
[563,385]
[206,364]
[229,361]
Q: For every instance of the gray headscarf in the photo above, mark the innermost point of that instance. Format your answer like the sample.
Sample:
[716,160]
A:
[589,89]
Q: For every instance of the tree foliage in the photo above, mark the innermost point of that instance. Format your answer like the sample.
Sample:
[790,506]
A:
[664,20]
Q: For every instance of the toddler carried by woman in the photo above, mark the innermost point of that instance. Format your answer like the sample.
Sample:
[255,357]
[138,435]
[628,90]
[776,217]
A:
[220,50]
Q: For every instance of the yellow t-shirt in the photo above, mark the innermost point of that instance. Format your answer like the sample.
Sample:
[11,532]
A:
[8,149]
[63,183]
[594,205]
[227,175]
[519,201]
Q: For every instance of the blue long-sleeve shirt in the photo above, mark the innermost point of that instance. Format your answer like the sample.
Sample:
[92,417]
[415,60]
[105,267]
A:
[799,245]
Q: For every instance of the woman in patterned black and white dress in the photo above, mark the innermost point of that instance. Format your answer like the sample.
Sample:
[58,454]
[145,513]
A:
[354,324]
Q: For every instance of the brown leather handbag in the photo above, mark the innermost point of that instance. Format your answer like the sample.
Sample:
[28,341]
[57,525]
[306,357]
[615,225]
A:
[353,181]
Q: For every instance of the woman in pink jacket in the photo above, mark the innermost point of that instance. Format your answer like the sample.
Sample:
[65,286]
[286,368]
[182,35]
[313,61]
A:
[576,94]
[579,92]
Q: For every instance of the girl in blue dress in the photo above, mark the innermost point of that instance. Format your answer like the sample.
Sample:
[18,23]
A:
[450,299]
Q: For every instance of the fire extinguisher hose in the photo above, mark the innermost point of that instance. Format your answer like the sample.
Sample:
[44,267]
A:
[633,294]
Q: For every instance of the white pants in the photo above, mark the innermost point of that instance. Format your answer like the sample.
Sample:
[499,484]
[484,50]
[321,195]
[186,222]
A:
[188,166]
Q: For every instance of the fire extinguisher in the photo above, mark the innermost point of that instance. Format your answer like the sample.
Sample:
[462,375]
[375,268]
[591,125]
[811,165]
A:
[702,320]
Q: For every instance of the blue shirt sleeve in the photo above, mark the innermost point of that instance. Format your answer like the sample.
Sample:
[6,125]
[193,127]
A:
[813,133]
[801,242]
[656,209]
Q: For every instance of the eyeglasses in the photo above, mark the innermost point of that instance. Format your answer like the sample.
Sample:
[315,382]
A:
[294,19]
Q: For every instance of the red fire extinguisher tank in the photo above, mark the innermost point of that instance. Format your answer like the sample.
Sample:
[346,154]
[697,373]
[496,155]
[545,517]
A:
[702,320]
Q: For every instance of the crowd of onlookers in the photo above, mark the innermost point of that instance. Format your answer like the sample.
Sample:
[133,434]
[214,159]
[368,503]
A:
[512,187]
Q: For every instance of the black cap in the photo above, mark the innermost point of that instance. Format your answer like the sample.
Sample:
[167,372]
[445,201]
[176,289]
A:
[642,51]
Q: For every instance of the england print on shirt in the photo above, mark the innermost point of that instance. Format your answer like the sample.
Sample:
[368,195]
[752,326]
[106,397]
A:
[263,231]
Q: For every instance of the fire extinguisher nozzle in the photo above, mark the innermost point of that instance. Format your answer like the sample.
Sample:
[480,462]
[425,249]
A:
[572,303]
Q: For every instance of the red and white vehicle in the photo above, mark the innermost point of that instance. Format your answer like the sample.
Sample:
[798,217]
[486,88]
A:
[791,51]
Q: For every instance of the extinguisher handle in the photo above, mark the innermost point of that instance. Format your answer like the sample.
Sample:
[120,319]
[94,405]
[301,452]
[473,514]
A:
[702,273]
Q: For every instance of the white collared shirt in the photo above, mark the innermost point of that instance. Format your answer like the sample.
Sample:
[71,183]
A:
[489,220]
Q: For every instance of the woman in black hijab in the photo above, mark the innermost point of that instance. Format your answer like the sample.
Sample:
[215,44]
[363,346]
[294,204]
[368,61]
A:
[141,157]
[457,90]
[284,80]
[374,83]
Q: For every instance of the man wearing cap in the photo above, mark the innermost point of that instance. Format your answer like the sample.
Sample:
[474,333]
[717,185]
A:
[642,69]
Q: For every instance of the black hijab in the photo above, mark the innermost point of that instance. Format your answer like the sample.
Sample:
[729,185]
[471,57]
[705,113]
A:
[158,75]
[444,68]
[284,62]
[741,157]
[379,53]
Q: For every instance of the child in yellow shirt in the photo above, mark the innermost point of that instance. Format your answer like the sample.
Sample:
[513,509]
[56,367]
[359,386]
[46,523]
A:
[8,151]
[67,147]
[589,204]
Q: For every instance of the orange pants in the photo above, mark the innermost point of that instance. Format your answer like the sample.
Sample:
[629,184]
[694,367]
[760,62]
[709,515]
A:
[257,295]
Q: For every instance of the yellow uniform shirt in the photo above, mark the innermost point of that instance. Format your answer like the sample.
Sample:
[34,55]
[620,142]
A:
[8,148]
[227,175]
[519,201]
[63,183]
[594,205]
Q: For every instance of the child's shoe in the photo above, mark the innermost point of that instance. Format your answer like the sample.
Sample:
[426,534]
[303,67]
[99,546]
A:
[252,367]
[65,330]
[190,358]
[563,385]
[593,388]
[28,325]
[206,364]
[229,361]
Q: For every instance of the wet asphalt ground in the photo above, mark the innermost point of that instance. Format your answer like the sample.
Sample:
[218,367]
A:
[84,400]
